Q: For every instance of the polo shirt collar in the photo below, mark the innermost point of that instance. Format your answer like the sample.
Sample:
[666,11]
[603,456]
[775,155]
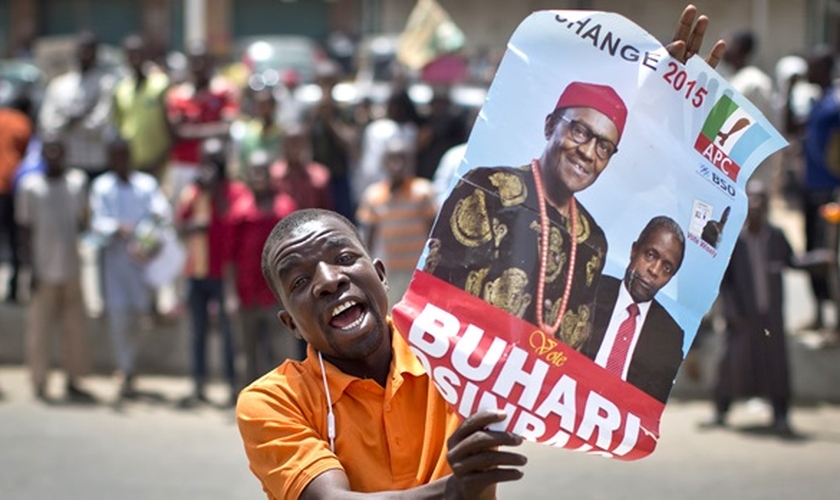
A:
[403,361]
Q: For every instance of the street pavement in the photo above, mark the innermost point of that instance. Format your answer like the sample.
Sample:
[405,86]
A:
[150,449]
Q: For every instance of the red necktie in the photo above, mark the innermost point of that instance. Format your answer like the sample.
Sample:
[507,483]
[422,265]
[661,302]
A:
[626,331]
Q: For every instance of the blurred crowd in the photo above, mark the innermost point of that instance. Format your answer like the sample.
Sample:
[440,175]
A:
[170,181]
[165,183]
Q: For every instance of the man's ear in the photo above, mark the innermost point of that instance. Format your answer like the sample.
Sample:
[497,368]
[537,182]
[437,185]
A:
[380,270]
[550,122]
[286,319]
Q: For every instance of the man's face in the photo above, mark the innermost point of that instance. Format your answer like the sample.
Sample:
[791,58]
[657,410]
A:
[334,295]
[653,262]
[200,65]
[572,164]
[136,56]
[258,177]
[119,159]
[295,147]
[86,54]
[757,203]
[397,165]
[53,154]
[265,106]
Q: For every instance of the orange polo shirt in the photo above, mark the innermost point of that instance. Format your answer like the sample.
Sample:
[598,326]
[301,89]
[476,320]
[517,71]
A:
[390,438]
[15,131]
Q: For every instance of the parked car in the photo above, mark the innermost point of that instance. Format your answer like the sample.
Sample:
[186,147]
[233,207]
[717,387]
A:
[267,57]
[17,76]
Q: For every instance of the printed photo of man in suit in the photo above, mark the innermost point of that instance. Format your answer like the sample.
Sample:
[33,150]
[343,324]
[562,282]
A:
[634,337]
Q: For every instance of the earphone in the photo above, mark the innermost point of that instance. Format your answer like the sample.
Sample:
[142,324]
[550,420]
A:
[330,415]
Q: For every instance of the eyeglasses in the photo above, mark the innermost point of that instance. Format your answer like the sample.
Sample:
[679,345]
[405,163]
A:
[582,134]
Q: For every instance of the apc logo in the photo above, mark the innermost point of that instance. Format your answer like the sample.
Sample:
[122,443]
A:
[728,137]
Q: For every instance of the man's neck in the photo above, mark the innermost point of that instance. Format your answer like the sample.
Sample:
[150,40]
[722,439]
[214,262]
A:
[139,76]
[375,367]
[396,184]
[296,165]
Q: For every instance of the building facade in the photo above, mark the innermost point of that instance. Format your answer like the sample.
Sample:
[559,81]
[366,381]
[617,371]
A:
[782,26]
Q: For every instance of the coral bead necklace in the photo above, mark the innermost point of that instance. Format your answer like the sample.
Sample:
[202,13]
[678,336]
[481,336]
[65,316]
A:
[545,226]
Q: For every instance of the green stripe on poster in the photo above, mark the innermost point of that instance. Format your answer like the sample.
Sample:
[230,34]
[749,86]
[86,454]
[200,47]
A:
[718,116]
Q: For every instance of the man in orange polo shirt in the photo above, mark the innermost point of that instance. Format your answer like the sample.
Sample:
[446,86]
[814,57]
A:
[359,413]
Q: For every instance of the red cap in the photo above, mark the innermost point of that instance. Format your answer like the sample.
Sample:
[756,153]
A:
[598,97]
[290,77]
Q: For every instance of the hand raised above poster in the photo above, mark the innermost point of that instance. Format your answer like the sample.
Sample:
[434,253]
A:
[596,208]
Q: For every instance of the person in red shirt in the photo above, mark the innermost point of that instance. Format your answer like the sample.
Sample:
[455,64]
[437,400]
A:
[15,132]
[265,342]
[204,219]
[201,108]
[306,181]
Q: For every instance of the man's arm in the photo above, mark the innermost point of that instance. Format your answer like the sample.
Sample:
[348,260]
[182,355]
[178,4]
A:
[474,456]
[51,117]
[99,115]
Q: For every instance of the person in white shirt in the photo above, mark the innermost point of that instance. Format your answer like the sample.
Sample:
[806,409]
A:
[77,106]
[122,202]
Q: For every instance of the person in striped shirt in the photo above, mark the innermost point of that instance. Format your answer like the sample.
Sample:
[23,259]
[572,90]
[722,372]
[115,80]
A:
[396,215]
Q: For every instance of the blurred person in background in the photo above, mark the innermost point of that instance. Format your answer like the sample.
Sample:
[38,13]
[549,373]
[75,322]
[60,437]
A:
[298,176]
[292,109]
[51,210]
[821,138]
[198,109]
[755,359]
[795,96]
[204,219]
[265,342]
[140,110]
[444,128]
[401,121]
[446,171]
[123,202]
[396,216]
[333,138]
[736,66]
[257,132]
[15,133]
[77,105]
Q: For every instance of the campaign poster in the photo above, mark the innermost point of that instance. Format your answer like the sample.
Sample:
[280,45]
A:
[587,232]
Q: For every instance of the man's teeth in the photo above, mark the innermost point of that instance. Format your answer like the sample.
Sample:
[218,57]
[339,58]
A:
[354,324]
[343,307]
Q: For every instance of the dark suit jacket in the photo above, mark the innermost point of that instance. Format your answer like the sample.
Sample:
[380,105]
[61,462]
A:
[658,352]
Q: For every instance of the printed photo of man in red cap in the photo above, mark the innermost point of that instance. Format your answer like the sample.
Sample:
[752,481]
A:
[517,237]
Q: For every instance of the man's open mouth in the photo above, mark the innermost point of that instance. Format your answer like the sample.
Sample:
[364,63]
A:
[580,169]
[347,315]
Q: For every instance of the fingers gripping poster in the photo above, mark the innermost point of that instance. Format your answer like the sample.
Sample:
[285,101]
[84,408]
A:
[593,216]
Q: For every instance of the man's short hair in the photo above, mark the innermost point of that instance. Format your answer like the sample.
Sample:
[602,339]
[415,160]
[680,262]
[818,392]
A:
[745,40]
[289,224]
[87,37]
[664,223]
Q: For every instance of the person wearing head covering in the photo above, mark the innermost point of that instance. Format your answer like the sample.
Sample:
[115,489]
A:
[490,234]
[755,360]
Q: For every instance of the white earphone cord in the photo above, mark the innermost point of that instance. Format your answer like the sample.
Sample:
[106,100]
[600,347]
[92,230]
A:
[330,416]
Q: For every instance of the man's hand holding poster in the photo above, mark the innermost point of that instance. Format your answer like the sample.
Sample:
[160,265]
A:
[596,208]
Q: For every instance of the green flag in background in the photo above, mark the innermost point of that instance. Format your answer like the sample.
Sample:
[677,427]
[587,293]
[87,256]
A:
[429,34]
